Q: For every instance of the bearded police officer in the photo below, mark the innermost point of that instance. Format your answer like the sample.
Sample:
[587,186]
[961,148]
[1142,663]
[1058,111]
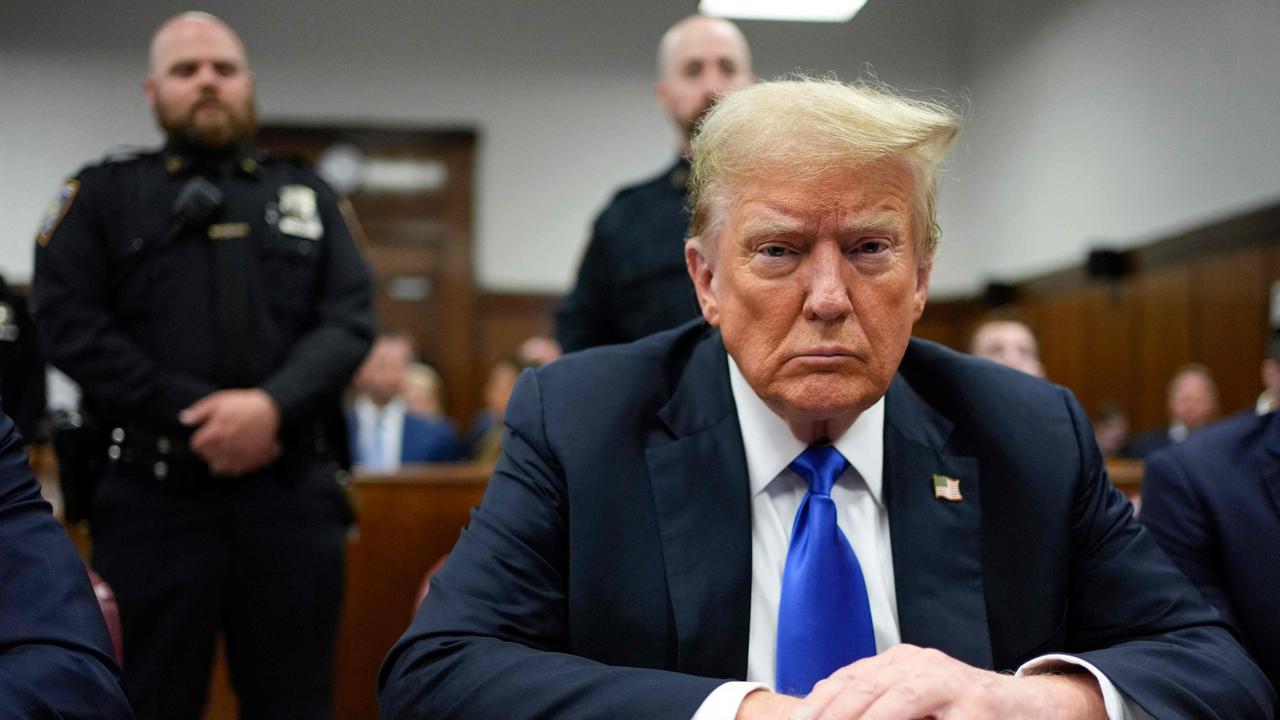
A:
[212,305]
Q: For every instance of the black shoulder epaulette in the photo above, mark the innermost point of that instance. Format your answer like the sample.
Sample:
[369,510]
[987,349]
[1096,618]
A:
[125,153]
[295,159]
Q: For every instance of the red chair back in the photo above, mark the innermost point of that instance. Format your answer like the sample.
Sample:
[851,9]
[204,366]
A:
[110,612]
[425,587]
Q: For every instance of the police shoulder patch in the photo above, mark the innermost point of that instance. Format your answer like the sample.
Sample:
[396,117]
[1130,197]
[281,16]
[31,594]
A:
[57,210]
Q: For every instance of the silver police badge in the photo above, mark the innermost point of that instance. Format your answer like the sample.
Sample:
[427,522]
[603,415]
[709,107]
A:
[299,215]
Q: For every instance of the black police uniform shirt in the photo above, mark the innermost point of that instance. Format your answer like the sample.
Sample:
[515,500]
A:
[132,319]
[633,281]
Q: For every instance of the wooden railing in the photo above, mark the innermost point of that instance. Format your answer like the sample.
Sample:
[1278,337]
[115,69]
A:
[406,522]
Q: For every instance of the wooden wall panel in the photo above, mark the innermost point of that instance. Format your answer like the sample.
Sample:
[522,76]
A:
[1059,322]
[1108,328]
[1229,322]
[507,319]
[1163,339]
[948,322]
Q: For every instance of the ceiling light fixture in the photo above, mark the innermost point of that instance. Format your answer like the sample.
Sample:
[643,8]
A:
[790,10]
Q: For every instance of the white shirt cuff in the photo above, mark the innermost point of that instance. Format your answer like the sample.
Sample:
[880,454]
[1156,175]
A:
[1118,706]
[724,701]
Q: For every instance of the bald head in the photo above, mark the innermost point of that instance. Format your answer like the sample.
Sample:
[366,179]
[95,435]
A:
[181,31]
[199,84]
[700,59]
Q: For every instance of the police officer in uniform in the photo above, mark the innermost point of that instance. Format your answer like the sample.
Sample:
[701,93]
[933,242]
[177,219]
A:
[212,305]
[633,281]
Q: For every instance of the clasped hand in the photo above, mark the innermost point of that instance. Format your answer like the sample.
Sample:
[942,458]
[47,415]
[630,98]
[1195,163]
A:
[236,430]
[913,683]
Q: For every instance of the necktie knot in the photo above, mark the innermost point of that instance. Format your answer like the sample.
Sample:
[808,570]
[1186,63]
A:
[820,466]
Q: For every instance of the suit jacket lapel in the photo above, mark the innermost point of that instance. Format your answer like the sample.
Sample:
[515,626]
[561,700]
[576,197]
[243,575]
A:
[702,499]
[937,543]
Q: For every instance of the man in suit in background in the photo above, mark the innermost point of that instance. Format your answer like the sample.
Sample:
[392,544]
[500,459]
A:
[56,658]
[1009,341]
[1213,504]
[384,434]
[632,280]
[795,490]
[1193,403]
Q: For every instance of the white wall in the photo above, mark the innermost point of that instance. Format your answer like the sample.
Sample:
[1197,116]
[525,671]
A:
[559,90]
[1089,121]
[1113,122]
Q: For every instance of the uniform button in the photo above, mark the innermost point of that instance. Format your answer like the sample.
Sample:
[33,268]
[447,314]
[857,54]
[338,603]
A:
[113,452]
[162,445]
[117,435]
[135,244]
[161,469]
[304,247]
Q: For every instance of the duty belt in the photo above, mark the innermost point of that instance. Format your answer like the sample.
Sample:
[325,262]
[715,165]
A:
[159,454]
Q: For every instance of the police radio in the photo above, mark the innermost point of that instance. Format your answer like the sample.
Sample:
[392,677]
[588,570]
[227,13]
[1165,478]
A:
[196,205]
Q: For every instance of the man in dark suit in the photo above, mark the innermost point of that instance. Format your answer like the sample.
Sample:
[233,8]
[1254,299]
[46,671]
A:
[56,658]
[1213,504]
[796,495]
[383,433]
[1193,403]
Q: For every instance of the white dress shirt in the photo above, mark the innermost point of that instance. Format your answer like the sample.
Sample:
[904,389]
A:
[776,493]
[379,432]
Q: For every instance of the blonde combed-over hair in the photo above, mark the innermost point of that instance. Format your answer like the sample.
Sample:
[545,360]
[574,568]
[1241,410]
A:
[801,128]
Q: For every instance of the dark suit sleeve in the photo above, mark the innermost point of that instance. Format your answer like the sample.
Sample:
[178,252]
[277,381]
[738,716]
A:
[584,319]
[72,300]
[56,659]
[489,641]
[1164,647]
[1174,513]
[323,359]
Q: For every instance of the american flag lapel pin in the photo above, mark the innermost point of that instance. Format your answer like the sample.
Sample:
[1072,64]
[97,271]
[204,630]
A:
[946,488]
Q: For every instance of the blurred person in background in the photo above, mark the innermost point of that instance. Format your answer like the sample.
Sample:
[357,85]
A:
[1192,404]
[424,391]
[385,434]
[1009,341]
[538,350]
[1213,503]
[484,439]
[1269,399]
[632,281]
[1111,430]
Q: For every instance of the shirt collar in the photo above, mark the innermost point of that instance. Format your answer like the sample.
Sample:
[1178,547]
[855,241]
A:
[770,447]
[368,411]
[184,158]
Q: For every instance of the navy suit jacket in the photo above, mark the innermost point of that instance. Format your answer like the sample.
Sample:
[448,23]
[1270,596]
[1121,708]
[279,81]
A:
[422,440]
[1213,504]
[608,571]
[56,659]
[1145,443]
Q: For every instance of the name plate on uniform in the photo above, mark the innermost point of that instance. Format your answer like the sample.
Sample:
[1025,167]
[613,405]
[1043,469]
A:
[228,231]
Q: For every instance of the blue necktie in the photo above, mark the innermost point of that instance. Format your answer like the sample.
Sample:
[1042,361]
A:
[377,446]
[824,617]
